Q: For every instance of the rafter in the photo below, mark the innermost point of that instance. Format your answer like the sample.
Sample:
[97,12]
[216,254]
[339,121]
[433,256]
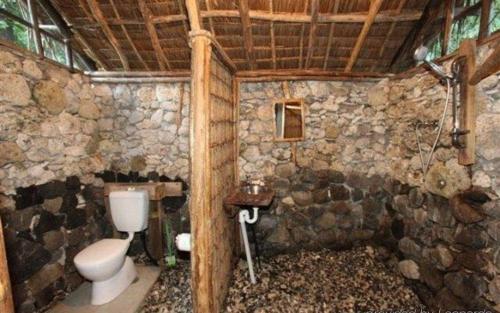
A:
[448,20]
[485,19]
[273,40]
[247,31]
[401,5]
[185,25]
[160,55]
[372,13]
[330,37]
[127,35]
[312,30]
[301,43]
[101,20]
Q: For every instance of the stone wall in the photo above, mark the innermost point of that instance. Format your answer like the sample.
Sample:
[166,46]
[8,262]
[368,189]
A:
[61,138]
[358,177]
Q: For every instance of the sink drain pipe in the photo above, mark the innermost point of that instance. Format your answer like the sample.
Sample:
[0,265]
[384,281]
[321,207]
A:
[244,217]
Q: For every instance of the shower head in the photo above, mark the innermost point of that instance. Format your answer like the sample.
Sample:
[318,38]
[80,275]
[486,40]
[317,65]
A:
[419,56]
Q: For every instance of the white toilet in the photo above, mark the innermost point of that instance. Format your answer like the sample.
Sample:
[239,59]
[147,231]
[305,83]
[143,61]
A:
[104,262]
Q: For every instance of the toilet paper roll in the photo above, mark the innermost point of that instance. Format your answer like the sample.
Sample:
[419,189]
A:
[183,242]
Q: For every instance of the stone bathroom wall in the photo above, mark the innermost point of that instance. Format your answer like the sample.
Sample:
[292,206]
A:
[358,177]
[61,138]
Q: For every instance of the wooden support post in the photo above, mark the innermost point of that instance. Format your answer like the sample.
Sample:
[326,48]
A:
[467,116]
[6,302]
[199,202]
[448,9]
[372,13]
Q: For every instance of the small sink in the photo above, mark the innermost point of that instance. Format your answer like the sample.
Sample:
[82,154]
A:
[253,189]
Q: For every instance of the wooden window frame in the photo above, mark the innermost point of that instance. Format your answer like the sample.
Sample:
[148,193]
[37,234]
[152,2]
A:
[302,119]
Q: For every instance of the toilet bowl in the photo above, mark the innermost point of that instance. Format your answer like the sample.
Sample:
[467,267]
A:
[104,262]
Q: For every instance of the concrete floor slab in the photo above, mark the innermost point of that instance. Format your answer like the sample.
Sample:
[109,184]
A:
[130,301]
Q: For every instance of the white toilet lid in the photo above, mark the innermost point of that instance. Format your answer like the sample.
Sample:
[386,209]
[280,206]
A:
[102,251]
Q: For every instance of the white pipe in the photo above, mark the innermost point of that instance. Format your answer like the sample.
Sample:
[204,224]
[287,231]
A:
[244,217]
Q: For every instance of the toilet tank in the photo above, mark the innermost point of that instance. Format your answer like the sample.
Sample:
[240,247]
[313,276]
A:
[129,210]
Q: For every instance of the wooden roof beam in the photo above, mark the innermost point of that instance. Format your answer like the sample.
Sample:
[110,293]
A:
[448,21]
[312,30]
[485,19]
[127,35]
[301,44]
[401,5]
[247,31]
[271,30]
[99,16]
[330,37]
[266,75]
[372,13]
[160,55]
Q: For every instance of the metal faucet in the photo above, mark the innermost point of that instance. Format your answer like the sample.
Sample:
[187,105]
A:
[457,132]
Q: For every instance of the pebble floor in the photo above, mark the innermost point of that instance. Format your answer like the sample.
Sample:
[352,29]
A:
[354,280]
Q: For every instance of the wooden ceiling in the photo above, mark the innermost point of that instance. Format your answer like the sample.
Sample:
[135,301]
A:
[358,36]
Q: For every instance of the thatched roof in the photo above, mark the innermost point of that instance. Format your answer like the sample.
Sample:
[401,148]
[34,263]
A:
[333,35]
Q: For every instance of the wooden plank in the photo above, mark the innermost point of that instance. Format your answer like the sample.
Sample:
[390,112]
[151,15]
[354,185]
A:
[448,8]
[467,156]
[6,302]
[160,55]
[127,35]
[485,19]
[489,67]
[330,37]
[301,43]
[295,74]
[372,13]
[312,31]
[247,31]
[271,30]
[101,20]
[239,198]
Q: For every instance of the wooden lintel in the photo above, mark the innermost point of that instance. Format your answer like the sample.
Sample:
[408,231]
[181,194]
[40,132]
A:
[467,155]
[312,31]
[269,75]
[247,31]
[101,20]
[160,54]
[372,13]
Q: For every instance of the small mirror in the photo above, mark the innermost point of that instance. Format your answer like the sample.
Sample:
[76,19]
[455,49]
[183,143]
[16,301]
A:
[289,120]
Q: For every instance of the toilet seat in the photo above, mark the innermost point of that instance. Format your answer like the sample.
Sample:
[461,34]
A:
[102,259]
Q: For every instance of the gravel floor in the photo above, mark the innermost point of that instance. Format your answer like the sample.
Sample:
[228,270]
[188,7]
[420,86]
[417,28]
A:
[325,281]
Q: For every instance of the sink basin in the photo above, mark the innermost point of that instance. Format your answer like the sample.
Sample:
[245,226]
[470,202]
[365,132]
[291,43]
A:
[253,189]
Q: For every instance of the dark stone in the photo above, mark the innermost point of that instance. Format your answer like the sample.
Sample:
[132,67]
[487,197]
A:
[48,222]
[70,201]
[25,258]
[415,198]
[321,196]
[76,218]
[466,286]
[339,192]
[107,176]
[53,240]
[398,228]
[475,196]
[472,237]
[26,197]
[52,189]
[74,236]
[165,179]
[344,221]
[355,180]
[296,219]
[281,184]
[134,176]
[174,203]
[302,198]
[357,195]
[122,178]
[474,260]
[392,186]
[73,183]
[340,207]
[371,211]
[431,276]
[18,220]
[376,184]
[315,210]
[47,295]
[464,212]
[446,299]
[336,177]
[153,176]
[307,175]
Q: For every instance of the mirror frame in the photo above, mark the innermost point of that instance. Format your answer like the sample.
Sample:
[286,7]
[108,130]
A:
[302,114]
